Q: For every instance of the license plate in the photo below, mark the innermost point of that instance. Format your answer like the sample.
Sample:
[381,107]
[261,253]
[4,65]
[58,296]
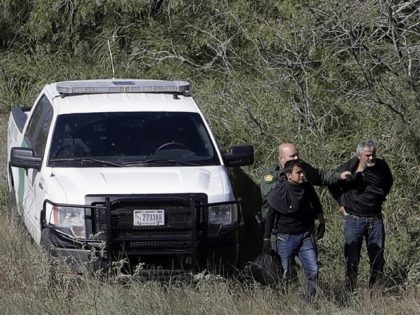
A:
[148,217]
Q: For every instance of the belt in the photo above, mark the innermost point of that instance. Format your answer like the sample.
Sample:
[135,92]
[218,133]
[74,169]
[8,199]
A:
[346,214]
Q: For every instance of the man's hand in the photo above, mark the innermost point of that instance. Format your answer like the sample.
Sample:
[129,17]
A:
[344,175]
[320,231]
[267,246]
[341,210]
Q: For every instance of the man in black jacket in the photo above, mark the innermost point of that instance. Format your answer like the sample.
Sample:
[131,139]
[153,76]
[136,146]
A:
[274,176]
[360,201]
[295,205]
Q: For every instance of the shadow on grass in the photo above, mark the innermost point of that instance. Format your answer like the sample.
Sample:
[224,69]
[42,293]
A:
[250,235]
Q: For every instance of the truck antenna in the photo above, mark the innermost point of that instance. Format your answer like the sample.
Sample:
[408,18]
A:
[112,60]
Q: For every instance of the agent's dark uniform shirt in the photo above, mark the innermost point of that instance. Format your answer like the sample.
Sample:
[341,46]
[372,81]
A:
[274,176]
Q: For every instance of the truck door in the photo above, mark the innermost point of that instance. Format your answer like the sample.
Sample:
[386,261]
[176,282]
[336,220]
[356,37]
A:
[30,188]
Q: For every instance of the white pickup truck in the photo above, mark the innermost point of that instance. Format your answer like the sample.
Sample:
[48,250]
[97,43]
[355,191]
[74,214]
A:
[104,170]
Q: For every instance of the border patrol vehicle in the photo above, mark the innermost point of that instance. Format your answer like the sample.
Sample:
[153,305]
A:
[104,170]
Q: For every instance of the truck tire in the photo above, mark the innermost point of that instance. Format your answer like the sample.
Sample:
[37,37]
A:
[46,243]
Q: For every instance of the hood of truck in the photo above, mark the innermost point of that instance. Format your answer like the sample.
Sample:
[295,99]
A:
[73,184]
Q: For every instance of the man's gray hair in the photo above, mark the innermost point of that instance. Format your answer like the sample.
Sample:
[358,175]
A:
[366,144]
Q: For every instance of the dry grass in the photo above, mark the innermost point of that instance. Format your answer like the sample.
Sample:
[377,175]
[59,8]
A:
[33,285]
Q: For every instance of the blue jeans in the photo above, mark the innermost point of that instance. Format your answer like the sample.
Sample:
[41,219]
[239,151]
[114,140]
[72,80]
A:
[355,230]
[303,245]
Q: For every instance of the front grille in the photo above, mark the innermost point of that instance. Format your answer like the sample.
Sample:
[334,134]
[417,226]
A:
[158,244]
[176,217]
[184,223]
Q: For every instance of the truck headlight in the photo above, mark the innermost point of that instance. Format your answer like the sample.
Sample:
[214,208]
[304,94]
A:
[222,214]
[69,218]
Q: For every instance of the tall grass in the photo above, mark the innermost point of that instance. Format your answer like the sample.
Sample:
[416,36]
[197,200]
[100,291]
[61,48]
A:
[31,284]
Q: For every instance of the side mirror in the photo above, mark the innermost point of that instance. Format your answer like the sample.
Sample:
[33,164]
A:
[25,158]
[239,155]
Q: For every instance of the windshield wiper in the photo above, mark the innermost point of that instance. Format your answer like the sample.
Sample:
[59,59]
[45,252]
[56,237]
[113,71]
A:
[159,161]
[86,159]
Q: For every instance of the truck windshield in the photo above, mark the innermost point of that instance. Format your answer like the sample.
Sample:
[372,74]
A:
[131,139]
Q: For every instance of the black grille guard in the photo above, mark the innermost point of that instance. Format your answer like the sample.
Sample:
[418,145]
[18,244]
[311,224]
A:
[109,243]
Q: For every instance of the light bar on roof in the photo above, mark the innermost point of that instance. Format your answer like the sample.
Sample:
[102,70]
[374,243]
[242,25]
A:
[122,86]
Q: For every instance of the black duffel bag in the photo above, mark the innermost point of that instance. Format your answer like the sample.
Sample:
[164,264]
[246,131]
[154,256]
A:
[266,269]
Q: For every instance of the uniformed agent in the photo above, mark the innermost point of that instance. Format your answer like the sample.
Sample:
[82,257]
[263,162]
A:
[275,174]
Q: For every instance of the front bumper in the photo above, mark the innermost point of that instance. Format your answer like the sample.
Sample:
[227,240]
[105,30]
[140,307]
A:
[90,256]
[183,244]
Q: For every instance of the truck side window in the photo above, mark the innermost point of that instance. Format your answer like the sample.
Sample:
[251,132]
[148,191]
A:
[37,132]
[41,140]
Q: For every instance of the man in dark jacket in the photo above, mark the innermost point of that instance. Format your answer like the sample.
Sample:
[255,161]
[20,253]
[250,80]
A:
[274,176]
[295,205]
[360,201]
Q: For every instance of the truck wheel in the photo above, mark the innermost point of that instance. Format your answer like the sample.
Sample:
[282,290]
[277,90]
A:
[46,243]
[53,263]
